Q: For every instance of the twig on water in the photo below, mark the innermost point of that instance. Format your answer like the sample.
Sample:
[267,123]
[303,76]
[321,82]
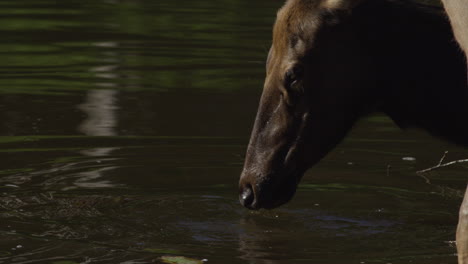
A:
[389,167]
[442,165]
[424,177]
[444,191]
[443,157]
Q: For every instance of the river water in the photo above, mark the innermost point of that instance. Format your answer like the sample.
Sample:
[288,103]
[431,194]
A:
[122,135]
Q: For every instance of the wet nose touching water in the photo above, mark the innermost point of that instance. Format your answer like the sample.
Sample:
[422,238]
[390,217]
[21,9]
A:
[123,132]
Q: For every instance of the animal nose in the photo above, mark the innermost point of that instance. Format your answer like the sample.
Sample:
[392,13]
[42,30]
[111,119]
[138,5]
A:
[247,196]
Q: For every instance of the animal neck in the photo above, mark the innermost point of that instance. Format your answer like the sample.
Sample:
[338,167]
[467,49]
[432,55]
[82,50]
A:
[443,112]
[422,75]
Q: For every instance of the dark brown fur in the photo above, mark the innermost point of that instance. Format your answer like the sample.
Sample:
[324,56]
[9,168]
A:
[334,61]
[357,57]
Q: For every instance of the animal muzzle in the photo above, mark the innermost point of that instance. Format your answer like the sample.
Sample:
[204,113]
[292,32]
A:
[266,192]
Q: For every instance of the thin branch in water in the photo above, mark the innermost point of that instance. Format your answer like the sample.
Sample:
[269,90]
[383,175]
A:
[426,179]
[389,167]
[443,157]
[441,164]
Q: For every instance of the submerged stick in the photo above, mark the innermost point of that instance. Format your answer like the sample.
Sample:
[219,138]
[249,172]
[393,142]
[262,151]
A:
[443,157]
[442,165]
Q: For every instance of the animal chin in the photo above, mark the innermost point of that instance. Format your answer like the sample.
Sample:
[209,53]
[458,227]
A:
[281,194]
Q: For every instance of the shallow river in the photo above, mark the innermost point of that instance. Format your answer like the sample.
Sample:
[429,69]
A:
[122,135]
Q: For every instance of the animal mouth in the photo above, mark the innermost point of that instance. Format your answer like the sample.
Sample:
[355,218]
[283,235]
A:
[273,189]
[269,195]
[281,195]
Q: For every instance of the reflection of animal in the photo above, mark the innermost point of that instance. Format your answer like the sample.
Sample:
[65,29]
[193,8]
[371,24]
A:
[334,61]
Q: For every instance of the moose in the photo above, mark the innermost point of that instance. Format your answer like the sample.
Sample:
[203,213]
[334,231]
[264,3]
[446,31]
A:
[333,62]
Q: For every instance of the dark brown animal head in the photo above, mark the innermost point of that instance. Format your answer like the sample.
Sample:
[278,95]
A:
[318,83]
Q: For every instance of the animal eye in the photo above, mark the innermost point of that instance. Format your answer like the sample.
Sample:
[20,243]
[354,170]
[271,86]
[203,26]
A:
[292,77]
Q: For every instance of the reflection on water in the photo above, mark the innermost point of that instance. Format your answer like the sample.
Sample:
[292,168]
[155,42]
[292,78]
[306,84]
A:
[100,107]
[122,133]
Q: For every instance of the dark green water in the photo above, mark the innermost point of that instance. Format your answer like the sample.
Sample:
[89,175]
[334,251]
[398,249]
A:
[122,134]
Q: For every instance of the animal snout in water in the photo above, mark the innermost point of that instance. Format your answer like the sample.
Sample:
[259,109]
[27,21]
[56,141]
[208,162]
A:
[268,193]
[247,196]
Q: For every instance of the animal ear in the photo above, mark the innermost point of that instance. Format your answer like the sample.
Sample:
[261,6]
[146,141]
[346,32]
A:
[340,4]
